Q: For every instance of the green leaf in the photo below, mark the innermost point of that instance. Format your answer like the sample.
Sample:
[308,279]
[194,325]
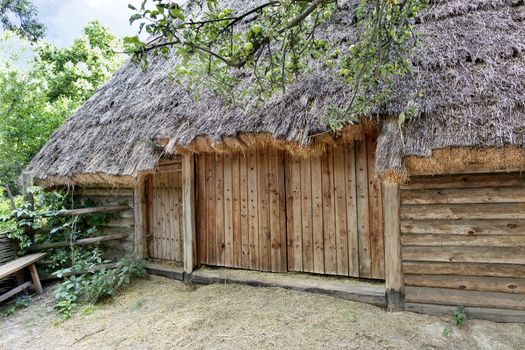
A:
[134,18]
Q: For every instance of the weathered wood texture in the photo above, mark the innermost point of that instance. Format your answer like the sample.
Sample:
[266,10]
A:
[266,210]
[123,224]
[463,242]
[166,227]
[241,218]
[188,213]
[335,213]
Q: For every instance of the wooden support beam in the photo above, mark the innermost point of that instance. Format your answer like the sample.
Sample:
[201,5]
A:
[84,241]
[393,264]
[27,182]
[36,280]
[140,212]
[188,213]
[15,291]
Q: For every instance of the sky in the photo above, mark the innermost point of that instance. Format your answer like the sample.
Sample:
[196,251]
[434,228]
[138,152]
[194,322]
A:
[65,19]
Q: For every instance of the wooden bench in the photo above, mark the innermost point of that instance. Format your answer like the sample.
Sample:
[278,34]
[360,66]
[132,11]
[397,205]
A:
[16,267]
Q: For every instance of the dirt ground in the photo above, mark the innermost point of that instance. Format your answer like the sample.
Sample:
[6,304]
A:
[158,313]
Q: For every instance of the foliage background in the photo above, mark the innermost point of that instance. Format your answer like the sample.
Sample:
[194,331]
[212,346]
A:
[36,98]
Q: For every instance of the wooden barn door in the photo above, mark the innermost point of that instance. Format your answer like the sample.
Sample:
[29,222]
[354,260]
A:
[165,239]
[241,216]
[334,212]
[264,210]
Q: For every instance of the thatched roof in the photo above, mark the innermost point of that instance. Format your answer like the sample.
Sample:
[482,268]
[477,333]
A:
[467,82]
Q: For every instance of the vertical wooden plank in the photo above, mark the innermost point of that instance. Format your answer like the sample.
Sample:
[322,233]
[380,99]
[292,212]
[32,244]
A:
[276,259]
[180,214]
[296,235]
[377,248]
[282,211]
[330,243]
[236,201]
[162,214]
[351,210]
[150,216]
[306,208]
[140,213]
[219,209]
[363,209]
[173,219]
[317,215]
[211,257]
[289,210]
[341,232]
[264,211]
[156,217]
[188,209]
[228,211]
[253,210]
[202,238]
[393,265]
[245,222]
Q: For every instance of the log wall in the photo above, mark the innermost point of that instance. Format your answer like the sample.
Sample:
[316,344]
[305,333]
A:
[100,195]
[463,243]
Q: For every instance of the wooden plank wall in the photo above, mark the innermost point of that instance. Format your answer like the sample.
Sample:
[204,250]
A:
[334,212]
[165,241]
[241,217]
[100,195]
[463,242]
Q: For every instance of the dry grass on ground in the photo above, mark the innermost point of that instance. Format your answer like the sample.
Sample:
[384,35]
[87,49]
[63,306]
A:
[158,313]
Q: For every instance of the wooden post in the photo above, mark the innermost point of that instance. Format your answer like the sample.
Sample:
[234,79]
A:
[393,264]
[36,280]
[139,214]
[27,182]
[188,213]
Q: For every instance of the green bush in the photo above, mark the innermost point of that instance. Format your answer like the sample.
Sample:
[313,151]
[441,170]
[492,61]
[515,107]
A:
[93,286]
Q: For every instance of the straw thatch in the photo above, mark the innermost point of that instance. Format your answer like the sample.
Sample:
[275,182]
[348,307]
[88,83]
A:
[467,82]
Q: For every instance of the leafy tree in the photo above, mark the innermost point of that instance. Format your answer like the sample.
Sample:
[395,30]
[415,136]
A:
[20,16]
[274,41]
[35,102]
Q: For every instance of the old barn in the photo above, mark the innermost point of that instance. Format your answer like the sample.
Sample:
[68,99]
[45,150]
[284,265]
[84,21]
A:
[433,209]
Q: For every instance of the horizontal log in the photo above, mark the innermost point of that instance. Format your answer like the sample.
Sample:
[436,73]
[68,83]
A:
[463,195]
[107,201]
[437,240]
[79,242]
[84,211]
[495,315]
[105,192]
[445,296]
[168,168]
[496,255]
[15,291]
[464,227]
[474,283]
[465,269]
[463,211]
[466,181]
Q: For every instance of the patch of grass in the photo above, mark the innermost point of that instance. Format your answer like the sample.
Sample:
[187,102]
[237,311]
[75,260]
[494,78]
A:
[137,306]
[21,302]
[459,317]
